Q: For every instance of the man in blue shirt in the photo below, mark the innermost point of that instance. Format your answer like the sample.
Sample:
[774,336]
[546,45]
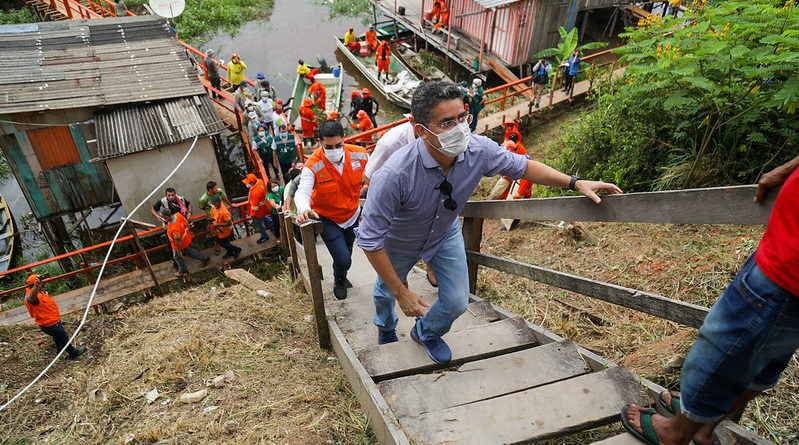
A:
[571,70]
[412,212]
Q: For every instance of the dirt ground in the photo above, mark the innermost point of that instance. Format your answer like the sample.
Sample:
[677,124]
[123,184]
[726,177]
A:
[692,263]
[285,389]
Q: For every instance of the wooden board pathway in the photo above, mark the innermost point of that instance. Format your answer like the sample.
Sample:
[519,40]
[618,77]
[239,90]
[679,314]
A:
[132,282]
[494,120]
[507,383]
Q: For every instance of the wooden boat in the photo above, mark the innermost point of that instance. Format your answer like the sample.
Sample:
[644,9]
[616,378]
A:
[333,86]
[387,31]
[366,65]
[6,235]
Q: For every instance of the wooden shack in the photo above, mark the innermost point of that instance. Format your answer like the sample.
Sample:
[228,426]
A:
[512,31]
[56,78]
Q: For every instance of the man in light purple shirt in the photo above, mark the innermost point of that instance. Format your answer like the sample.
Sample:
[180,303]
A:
[412,210]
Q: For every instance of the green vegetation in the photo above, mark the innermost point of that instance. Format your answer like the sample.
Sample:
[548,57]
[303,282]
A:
[14,16]
[707,99]
[350,8]
[568,43]
[204,17]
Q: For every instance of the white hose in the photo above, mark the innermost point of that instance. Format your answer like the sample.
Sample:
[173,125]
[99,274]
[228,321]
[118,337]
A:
[99,277]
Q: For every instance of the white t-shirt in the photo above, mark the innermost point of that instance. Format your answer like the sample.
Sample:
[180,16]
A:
[393,140]
[302,199]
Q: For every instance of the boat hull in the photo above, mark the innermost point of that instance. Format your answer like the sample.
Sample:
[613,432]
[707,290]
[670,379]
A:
[367,68]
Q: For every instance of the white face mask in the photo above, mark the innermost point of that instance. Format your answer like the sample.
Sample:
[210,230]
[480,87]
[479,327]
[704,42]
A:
[275,189]
[335,155]
[455,140]
[261,134]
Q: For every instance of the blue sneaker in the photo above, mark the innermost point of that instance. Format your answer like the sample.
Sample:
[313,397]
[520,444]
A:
[384,337]
[436,348]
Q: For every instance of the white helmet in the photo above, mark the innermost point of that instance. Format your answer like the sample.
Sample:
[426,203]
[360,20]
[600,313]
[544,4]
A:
[478,81]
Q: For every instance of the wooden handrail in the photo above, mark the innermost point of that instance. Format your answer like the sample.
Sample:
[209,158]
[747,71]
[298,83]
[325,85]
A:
[717,205]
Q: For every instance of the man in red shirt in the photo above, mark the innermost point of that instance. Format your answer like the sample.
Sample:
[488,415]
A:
[747,338]
[45,312]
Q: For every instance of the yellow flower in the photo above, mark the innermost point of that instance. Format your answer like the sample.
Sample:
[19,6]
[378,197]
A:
[675,57]
[668,45]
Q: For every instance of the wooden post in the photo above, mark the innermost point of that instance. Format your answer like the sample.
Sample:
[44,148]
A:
[282,224]
[472,235]
[552,90]
[143,253]
[315,280]
[295,262]
[483,40]
[504,97]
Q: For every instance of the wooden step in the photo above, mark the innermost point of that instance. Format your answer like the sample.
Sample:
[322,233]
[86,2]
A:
[355,317]
[407,357]
[540,413]
[484,379]
[507,75]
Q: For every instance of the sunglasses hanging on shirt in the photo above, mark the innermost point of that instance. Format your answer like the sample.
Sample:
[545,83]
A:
[446,189]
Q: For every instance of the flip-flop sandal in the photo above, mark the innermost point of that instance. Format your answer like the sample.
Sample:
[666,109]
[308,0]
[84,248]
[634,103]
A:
[647,434]
[672,408]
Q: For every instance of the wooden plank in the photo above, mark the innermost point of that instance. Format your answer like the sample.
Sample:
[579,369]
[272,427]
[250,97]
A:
[382,421]
[728,433]
[244,277]
[507,75]
[472,236]
[717,205]
[132,282]
[535,414]
[678,311]
[315,280]
[355,316]
[484,379]
[407,357]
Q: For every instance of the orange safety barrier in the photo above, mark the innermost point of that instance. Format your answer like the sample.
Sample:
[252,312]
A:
[122,239]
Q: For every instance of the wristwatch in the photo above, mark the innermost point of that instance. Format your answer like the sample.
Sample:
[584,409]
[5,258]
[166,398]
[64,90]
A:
[574,180]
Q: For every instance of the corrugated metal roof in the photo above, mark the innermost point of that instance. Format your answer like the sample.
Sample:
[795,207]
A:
[488,4]
[136,128]
[90,63]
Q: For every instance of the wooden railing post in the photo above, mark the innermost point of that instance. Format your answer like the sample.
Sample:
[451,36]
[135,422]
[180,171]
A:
[140,250]
[294,264]
[315,280]
[504,97]
[472,236]
[591,75]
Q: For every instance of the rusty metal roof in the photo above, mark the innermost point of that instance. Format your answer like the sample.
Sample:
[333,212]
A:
[92,63]
[488,4]
[141,127]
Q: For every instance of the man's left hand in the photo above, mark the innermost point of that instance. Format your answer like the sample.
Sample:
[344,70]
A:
[591,188]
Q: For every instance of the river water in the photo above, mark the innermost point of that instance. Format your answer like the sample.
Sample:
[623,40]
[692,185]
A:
[296,29]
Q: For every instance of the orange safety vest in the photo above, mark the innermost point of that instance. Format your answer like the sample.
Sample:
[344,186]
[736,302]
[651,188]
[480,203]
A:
[336,196]
[364,125]
[176,229]
[45,313]
[383,52]
[371,39]
[220,217]
[258,206]
[308,121]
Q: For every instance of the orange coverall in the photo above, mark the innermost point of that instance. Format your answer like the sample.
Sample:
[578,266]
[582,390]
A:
[318,95]
[307,118]
[383,57]
[371,39]
[364,125]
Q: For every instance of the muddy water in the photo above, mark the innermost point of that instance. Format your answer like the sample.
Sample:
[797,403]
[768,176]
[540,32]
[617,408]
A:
[297,29]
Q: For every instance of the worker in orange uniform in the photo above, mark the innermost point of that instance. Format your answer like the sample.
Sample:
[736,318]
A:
[318,95]
[501,188]
[329,190]
[179,234]
[383,58]
[223,223]
[435,13]
[371,38]
[444,15]
[257,206]
[45,313]
[512,134]
[308,122]
[364,125]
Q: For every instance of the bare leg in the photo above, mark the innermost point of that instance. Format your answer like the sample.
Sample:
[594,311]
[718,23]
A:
[705,433]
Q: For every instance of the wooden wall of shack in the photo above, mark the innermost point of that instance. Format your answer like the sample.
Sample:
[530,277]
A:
[59,179]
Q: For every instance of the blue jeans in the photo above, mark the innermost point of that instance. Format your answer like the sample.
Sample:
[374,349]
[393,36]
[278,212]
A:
[60,338]
[449,265]
[181,261]
[339,243]
[745,342]
[261,224]
[230,248]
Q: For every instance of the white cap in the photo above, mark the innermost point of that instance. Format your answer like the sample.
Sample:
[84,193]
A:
[477,81]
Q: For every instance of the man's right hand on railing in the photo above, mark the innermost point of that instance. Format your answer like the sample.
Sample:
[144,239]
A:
[306,215]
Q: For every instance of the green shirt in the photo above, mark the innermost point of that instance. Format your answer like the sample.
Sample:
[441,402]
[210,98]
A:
[205,198]
[264,147]
[277,197]
[286,150]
